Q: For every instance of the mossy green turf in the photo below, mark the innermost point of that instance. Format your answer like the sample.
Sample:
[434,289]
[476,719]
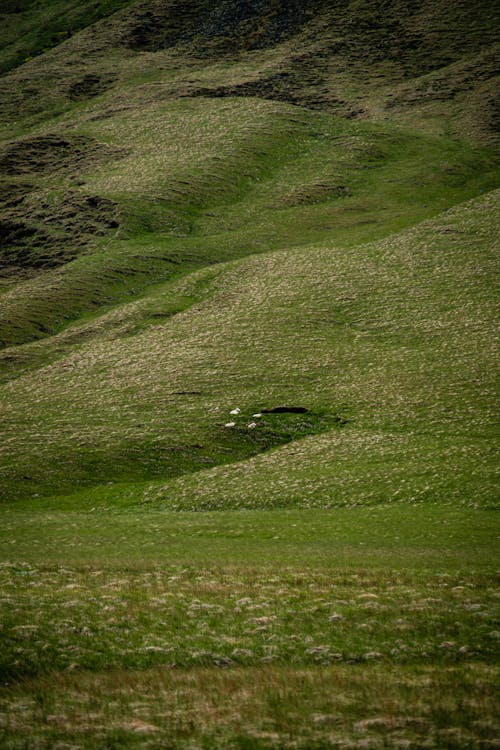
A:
[301,178]
[339,261]
[407,538]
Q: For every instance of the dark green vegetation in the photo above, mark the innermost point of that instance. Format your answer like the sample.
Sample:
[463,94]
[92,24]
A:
[288,211]
[31,27]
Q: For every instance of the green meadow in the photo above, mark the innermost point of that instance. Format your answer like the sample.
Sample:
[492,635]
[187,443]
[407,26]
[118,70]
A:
[248,376]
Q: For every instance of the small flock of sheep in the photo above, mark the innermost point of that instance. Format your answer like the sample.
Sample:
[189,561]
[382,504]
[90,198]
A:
[235,412]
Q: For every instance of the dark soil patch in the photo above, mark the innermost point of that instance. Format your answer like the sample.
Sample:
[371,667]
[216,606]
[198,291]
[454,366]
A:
[89,86]
[23,247]
[15,232]
[315,192]
[38,230]
[52,153]
[39,234]
[14,193]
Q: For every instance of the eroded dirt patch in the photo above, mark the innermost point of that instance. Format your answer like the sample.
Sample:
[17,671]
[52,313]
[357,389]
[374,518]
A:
[38,232]
[88,86]
[40,227]
[52,153]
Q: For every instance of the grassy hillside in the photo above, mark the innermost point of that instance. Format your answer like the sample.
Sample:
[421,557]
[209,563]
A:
[31,27]
[382,343]
[248,374]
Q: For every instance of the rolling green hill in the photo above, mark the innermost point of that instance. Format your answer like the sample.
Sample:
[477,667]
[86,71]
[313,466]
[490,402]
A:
[289,210]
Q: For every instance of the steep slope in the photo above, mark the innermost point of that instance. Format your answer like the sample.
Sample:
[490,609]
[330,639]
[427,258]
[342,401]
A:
[28,28]
[148,151]
[230,179]
[383,344]
[139,94]
[353,58]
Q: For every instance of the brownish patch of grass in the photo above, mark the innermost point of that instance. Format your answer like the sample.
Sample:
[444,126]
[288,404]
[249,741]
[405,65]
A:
[267,707]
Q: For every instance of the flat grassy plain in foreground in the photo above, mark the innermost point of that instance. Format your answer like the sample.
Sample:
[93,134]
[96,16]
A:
[250,629]
[205,208]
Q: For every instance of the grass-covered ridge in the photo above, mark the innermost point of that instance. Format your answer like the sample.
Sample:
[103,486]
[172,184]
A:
[232,179]
[248,464]
[387,337]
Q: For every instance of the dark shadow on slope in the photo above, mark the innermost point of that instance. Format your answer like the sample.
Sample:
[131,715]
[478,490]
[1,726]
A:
[225,26]
[41,234]
[419,37]
[88,86]
[289,87]
[332,36]
[31,28]
[392,41]
[53,153]
[153,458]
[39,229]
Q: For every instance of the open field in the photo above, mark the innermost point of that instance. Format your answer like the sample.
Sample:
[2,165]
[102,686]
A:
[248,375]
[270,707]
[378,626]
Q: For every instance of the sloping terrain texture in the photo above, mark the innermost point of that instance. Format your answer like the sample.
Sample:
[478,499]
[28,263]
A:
[252,204]
[248,374]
